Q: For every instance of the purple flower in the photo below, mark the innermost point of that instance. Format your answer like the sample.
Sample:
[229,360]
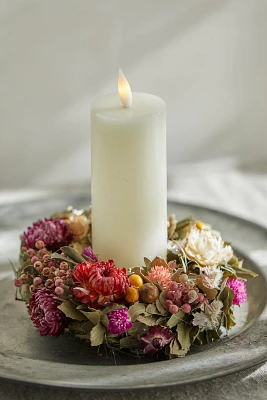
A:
[238,286]
[156,338]
[88,252]
[45,315]
[54,233]
[119,321]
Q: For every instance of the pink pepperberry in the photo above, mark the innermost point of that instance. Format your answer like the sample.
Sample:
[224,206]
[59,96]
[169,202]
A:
[30,252]
[170,296]
[64,265]
[49,284]
[51,264]
[177,294]
[200,297]
[59,291]
[37,281]
[38,266]
[168,303]
[34,259]
[186,308]
[39,244]
[58,282]
[18,282]
[173,286]
[178,302]
[46,257]
[46,271]
[173,309]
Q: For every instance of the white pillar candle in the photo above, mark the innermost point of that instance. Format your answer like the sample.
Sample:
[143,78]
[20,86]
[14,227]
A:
[129,189]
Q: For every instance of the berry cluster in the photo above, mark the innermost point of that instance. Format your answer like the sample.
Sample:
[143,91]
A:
[183,296]
[49,273]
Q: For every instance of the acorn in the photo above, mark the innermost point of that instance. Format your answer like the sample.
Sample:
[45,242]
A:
[149,293]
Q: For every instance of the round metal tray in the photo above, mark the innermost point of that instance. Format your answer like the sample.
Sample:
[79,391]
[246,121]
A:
[66,362]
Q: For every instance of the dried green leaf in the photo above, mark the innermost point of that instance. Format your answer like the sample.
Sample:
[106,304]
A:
[148,320]
[72,254]
[160,307]
[135,310]
[161,321]
[104,320]
[128,342]
[215,334]
[97,334]
[183,336]
[25,292]
[210,293]
[69,309]
[112,307]
[245,273]
[147,263]
[175,319]
[152,309]
[93,316]
[137,328]
[87,327]
[229,271]
[56,256]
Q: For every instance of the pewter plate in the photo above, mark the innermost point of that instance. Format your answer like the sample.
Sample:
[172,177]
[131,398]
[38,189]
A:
[65,362]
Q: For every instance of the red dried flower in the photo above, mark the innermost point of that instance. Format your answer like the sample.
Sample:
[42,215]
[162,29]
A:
[156,338]
[99,283]
[54,233]
[45,315]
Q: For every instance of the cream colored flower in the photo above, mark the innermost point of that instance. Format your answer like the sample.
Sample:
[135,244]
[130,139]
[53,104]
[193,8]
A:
[206,249]
[211,276]
[209,319]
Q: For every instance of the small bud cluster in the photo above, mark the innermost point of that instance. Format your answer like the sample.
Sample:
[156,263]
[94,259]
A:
[183,296]
[52,274]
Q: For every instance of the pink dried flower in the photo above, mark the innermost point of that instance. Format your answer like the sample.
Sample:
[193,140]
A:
[238,286]
[156,338]
[119,321]
[45,315]
[54,233]
[88,252]
[161,275]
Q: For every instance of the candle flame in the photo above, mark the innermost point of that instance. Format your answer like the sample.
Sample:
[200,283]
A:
[124,90]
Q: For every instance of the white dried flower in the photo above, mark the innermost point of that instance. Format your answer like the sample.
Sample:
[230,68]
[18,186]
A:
[209,319]
[211,276]
[206,249]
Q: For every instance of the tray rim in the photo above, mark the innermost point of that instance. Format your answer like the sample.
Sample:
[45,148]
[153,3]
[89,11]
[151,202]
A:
[222,372]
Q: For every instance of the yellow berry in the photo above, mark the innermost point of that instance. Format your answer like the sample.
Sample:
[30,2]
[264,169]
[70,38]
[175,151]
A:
[136,280]
[132,295]
[200,225]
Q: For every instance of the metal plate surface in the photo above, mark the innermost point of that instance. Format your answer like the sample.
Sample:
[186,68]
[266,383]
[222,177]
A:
[67,362]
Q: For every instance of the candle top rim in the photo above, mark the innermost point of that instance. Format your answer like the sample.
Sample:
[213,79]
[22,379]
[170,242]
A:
[144,105]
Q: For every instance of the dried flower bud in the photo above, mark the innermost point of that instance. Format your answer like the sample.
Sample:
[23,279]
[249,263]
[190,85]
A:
[38,266]
[46,271]
[39,244]
[49,284]
[30,252]
[64,265]
[59,291]
[17,282]
[37,281]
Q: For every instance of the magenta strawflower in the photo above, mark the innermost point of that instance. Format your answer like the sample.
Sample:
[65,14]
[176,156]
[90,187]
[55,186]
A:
[238,286]
[156,338]
[88,252]
[119,321]
[54,233]
[45,315]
